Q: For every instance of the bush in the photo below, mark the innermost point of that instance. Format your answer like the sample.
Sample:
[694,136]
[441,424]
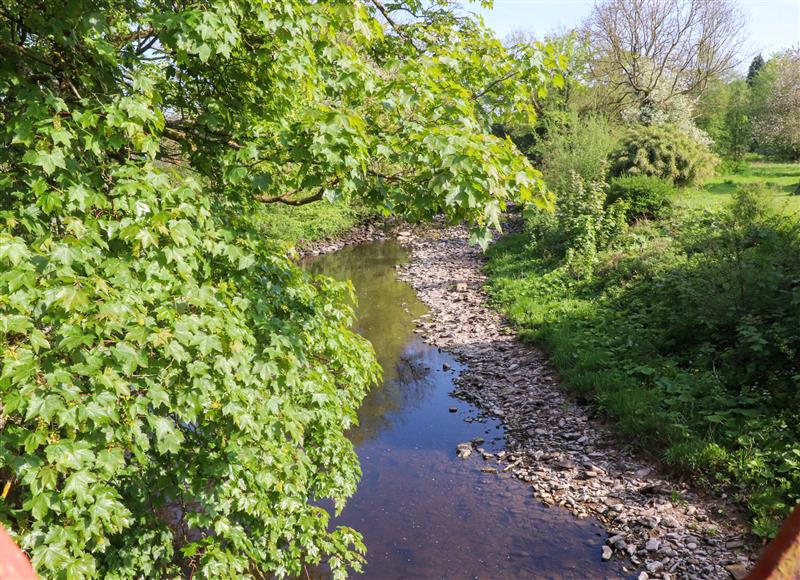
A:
[579,145]
[647,196]
[730,165]
[583,223]
[663,151]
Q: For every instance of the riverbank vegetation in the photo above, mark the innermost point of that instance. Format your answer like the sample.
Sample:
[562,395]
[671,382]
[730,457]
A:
[174,391]
[665,283]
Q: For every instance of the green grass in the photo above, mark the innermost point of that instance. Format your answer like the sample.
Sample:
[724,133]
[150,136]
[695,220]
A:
[308,223]
[780,180]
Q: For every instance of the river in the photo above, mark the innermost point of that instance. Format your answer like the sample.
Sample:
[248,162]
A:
[425,513]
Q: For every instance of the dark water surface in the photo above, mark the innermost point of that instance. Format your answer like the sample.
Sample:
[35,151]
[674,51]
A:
[423,512]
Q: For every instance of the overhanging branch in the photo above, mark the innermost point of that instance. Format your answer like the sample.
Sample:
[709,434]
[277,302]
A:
[287,199]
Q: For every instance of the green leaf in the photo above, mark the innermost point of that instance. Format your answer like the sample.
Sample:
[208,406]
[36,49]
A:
[78,486]
[39,505]
[168,437]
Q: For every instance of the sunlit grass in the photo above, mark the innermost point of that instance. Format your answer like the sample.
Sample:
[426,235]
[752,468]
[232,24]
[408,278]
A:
[308,223]
[780,180]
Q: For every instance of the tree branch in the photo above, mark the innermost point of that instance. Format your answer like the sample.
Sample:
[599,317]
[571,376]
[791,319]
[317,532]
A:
[382,9]
[493,84]
[287,200]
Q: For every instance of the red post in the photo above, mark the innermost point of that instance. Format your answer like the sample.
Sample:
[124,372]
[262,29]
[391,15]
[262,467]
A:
[781,558]
[14,564]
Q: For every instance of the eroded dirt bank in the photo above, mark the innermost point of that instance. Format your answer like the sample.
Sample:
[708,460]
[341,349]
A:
[659,527]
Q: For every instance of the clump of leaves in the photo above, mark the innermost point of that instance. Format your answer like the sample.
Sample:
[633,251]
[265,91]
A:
[583,222]
[663,151]
[647,196]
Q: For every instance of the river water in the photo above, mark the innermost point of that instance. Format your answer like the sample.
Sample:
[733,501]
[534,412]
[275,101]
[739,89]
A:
[425,513]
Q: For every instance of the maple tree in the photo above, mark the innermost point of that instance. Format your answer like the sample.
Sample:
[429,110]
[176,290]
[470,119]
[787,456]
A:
[174,389]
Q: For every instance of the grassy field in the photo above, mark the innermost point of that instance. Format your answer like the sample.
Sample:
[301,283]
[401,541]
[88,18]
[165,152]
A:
[781,180]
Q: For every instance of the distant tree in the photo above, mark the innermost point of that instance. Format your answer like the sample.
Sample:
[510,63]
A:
[650,51]
[776,104]
[755,66]
[738,134]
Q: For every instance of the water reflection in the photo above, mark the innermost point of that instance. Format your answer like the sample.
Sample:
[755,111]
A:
[371,269]
[424,513]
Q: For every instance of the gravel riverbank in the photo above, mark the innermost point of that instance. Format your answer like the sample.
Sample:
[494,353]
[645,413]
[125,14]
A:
[659,527]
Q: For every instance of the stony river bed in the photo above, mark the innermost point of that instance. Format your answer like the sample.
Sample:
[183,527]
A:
[513,478]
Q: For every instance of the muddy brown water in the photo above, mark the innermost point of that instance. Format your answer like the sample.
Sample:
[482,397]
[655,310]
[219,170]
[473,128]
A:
[423,512]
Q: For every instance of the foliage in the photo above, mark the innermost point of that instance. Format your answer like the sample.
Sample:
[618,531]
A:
[685,335]
[776,105]
[582,223]
[175,391]
[646,196]
[678,112]
[580,145]
[724,113]
[662,151]
[755,67]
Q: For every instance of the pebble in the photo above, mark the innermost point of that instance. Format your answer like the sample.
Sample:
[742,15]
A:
[670,522]
[737,570]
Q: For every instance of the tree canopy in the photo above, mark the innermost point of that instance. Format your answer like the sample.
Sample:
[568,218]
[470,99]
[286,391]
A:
[776,104]
[174,390]
[650,51]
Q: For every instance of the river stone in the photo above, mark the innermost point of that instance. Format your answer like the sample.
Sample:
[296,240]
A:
[654,567]
[652,545]
[738,570]
[464,450]
[670,522]
[649,521]
[607,553]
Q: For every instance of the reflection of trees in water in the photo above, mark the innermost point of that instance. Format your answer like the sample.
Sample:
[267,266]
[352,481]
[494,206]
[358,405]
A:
[386,311]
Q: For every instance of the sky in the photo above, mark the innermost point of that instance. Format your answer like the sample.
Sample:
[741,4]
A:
[772,25]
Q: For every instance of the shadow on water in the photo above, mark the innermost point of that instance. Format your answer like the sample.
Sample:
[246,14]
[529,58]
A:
[423,512]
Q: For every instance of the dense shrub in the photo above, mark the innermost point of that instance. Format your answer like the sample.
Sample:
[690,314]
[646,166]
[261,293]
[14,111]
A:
[580,145]
[662,151]
[646,196]
[583,222]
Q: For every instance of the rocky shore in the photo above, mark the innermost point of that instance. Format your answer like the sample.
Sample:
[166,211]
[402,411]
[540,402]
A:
[660,528]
